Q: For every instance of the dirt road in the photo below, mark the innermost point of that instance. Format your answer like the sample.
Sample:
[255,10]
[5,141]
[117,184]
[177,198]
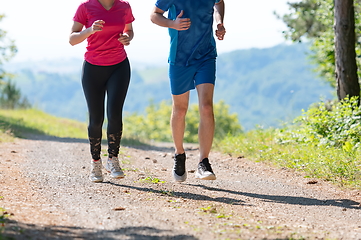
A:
[45,187]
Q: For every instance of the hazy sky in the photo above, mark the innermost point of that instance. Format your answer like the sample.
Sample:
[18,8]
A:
[41,28]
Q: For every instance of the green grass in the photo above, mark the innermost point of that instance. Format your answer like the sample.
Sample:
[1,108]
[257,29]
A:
[19,123]
[152,180]
[3,218]
[315,161]
[22,122]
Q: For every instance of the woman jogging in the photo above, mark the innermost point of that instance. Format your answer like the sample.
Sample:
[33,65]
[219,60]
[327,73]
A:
[107,26]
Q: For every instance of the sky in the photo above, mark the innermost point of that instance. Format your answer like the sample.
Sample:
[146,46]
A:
[41,29]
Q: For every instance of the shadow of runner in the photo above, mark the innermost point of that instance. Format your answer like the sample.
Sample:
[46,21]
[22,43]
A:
[125,142]
[187,195]
[20,231]
[303,201]
[50,138]
[343,203]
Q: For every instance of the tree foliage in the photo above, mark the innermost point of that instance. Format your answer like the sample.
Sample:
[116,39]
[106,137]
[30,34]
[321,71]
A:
[7,49]
[302,21]
[155,124]
[10,95]
[313,20]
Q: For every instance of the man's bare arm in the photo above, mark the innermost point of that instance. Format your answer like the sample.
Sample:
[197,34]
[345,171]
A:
[219,17]
[219,12]
[179,23]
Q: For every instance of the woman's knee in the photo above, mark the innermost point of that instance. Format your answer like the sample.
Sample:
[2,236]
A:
[95,126]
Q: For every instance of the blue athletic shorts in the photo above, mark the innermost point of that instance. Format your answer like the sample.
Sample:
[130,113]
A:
[184,79]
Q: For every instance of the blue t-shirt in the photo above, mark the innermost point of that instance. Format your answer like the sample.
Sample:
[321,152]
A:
[197,43]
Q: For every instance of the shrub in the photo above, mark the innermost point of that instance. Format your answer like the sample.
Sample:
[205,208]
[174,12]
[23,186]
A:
[11,97]
[155,124]
[337,125]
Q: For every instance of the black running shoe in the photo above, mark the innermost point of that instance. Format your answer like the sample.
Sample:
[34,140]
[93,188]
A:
[179,168]
[204,171]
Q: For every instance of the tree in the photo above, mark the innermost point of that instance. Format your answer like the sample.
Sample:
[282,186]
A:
[7,49]
[303,20]
[10,95]
[346,68]
[313,21]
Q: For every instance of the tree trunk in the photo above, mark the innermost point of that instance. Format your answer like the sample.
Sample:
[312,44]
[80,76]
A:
[346,68]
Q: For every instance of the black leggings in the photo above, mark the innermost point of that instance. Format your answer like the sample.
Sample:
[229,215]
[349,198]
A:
[97,82]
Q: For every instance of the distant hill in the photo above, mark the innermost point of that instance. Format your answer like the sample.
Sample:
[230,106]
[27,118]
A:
[266,86]
[263,86]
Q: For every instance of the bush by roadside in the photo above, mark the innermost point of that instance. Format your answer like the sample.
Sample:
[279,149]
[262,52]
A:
[323,143]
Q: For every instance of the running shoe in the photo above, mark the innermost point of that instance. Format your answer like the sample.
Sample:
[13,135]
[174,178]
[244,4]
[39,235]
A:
[96,174]
[113,168]
[179,168]
[204,170]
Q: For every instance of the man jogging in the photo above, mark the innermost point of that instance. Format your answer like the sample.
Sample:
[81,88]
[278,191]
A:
[192,64]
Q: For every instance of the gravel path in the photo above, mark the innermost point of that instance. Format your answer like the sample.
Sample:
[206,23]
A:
[45,187]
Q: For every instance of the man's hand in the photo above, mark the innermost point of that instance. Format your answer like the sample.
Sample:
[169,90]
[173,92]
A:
[221,31]
[181,24]
[124,39]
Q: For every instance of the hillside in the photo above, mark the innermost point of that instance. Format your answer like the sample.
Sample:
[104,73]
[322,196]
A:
[263,86]
[267,86]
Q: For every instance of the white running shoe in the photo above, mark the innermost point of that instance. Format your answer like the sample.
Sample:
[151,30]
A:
[113,168]
[96,174]
[204,171]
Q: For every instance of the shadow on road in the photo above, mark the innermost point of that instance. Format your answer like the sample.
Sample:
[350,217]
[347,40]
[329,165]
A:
[186,195]
[126,142]
[18,230]
[303,201]
[343,203]
[43,137]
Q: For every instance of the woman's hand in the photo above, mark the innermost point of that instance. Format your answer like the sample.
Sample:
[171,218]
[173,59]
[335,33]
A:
[78,35]
[124,39]
[96,26]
